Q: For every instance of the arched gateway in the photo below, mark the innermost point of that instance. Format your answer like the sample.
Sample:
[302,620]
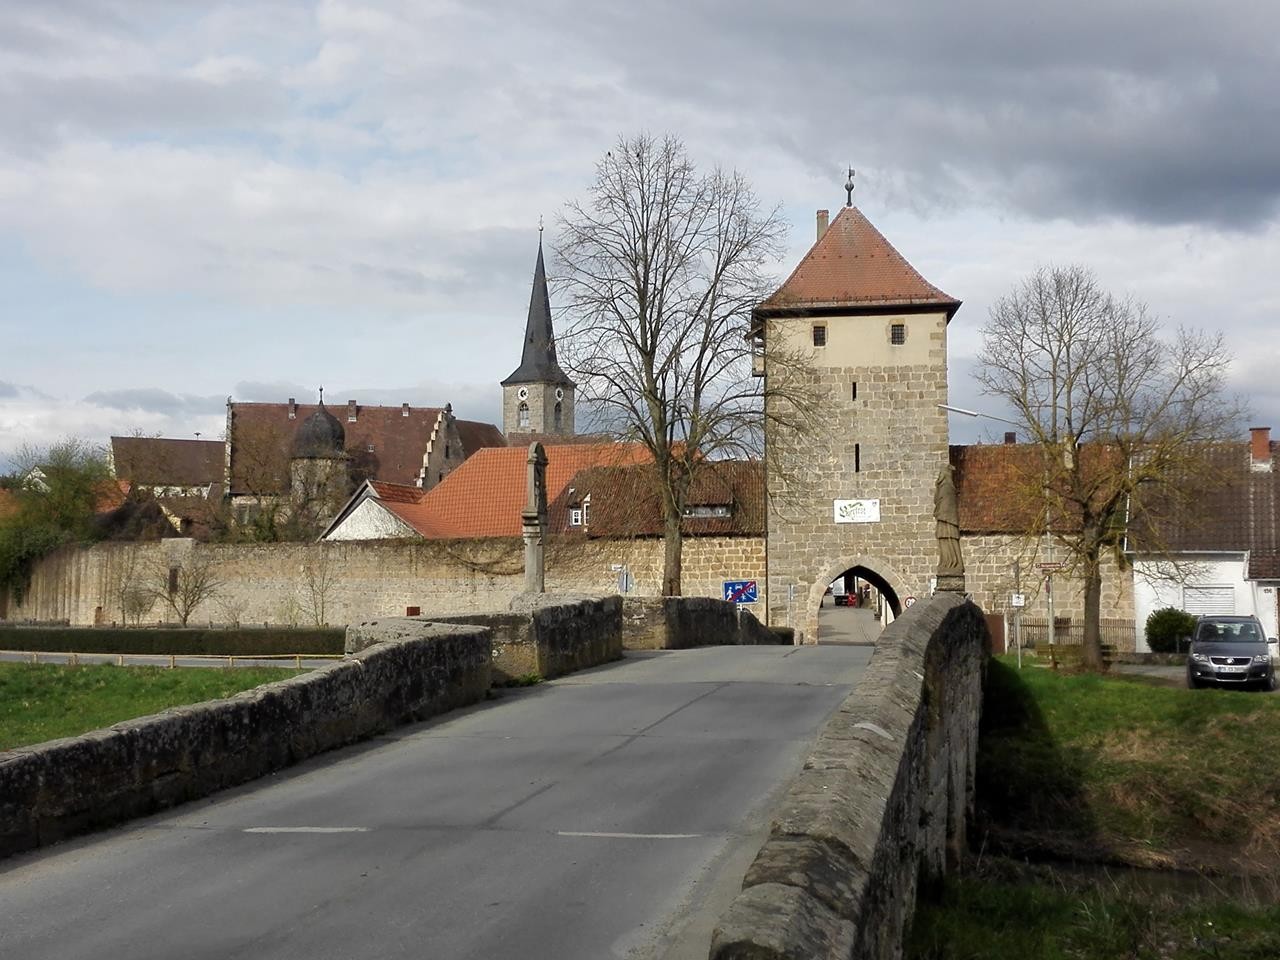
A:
[857,324]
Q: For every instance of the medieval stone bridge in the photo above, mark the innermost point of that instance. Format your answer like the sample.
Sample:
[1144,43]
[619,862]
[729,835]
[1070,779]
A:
[612,812]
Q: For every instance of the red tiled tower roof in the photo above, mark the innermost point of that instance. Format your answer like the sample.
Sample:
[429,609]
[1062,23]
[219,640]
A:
[852,264]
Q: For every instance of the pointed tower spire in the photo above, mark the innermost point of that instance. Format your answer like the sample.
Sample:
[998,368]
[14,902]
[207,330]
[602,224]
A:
[538,362]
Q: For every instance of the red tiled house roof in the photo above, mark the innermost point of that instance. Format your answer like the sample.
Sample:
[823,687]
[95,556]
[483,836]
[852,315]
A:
[477,436]
[625,501]
[165,462]
[852,264]
[262,434]
[485,496]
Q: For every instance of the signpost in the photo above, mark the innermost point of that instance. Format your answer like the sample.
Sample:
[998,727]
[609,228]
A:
[741,591]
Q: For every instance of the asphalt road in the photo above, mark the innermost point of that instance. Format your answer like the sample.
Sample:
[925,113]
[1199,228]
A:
[846,624]
[607,814]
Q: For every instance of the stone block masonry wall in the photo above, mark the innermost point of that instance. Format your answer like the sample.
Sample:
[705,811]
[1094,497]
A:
[57,789]
[886,444]
[341,583]
[989,560]
[883,798]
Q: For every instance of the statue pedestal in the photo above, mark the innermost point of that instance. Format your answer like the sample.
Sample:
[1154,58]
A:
[950,583]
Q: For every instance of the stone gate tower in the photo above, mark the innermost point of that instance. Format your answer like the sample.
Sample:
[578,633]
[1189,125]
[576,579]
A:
[538,396]
[858,325]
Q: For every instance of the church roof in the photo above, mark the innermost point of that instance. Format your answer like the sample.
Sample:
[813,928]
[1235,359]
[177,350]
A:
[853,265]
[538,362]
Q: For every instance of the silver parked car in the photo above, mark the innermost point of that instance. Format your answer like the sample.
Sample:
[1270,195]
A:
[1232,651]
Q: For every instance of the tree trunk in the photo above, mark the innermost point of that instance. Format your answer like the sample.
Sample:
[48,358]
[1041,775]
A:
[672,549]
[1091,645]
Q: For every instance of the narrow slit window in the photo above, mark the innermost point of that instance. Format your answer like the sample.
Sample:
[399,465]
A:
[819,334]
[857,458]
[897,333]
[854,391]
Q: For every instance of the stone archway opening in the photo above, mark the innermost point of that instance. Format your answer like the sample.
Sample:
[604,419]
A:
[855,606]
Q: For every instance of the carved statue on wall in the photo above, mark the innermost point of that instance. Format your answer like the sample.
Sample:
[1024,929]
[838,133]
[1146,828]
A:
[946,511]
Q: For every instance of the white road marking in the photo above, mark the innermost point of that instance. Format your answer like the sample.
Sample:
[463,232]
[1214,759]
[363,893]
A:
[306,830]
[628,836]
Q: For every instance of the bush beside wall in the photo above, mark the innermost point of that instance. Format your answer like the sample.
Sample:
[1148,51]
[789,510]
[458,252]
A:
[165,640]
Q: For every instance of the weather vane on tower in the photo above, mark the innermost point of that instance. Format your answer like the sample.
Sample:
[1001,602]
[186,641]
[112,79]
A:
[848,189]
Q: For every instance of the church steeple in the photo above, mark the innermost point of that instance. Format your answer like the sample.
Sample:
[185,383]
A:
[538,361]
[538,395]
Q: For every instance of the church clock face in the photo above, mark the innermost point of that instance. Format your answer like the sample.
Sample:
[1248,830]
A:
[522,393]
[559,394]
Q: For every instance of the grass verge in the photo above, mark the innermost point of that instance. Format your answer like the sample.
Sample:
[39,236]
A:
[46,701]
[1023,914]
[1117,769]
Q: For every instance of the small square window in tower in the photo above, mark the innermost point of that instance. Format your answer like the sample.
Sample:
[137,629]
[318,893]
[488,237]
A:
[819,334]
[897,333]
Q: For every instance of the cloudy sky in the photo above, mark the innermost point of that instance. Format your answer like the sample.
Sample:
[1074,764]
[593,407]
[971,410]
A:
[201,199]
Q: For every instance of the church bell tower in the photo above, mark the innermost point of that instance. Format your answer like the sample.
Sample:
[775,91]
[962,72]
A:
[538,396]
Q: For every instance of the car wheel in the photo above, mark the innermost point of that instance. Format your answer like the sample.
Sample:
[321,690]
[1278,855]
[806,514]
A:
[1192,682]
[1270,684]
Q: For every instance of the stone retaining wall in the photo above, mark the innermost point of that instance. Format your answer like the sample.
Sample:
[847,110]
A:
[882,800]
[57,789]
[677,623]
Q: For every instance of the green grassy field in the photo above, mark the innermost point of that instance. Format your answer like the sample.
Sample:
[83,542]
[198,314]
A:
[1114,769]
[46,701]
[1146,774]
[1011,914]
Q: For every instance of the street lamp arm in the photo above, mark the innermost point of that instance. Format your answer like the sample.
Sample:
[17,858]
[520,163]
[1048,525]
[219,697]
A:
[975,413]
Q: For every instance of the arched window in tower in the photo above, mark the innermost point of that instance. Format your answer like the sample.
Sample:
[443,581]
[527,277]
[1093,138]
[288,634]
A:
[522,416]
[559,416]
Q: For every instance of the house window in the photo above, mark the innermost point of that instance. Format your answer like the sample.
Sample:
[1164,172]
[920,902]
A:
[522,416]
[819,334]
[897,333]
[703,511]
[586,510]
[173,580]
[575,517]
[559,416]
[446,451]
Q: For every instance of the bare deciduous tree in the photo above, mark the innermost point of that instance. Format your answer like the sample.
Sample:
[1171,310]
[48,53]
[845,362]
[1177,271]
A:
[188,585]
[660,267]
[1119,411]
[318,579]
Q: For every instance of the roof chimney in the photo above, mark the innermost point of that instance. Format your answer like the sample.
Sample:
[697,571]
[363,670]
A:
[293,409]
[404,409]
[1010,437]
[351,411]
[824,217]
[1260,448]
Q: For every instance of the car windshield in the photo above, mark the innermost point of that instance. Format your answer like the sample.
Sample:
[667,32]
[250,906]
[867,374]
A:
[1228,631]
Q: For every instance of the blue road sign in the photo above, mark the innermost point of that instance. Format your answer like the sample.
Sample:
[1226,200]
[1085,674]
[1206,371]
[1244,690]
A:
[740,591]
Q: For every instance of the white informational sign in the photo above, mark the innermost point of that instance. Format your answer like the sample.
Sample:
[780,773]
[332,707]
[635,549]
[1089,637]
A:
[857,511]
[1017,599]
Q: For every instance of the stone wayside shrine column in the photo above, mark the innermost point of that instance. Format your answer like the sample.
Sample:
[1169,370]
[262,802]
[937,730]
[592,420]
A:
[534,521]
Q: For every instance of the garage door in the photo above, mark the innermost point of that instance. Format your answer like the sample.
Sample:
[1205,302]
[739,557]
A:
[1209,601]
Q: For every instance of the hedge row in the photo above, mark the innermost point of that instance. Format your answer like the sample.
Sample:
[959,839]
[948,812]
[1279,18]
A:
[165,640]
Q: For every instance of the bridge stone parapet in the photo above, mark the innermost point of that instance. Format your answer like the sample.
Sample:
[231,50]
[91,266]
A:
[677,623]
[64,787]
[881,802]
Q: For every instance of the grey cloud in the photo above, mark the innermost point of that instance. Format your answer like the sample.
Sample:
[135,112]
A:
[152,400]
[8,389]
[1089,109]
